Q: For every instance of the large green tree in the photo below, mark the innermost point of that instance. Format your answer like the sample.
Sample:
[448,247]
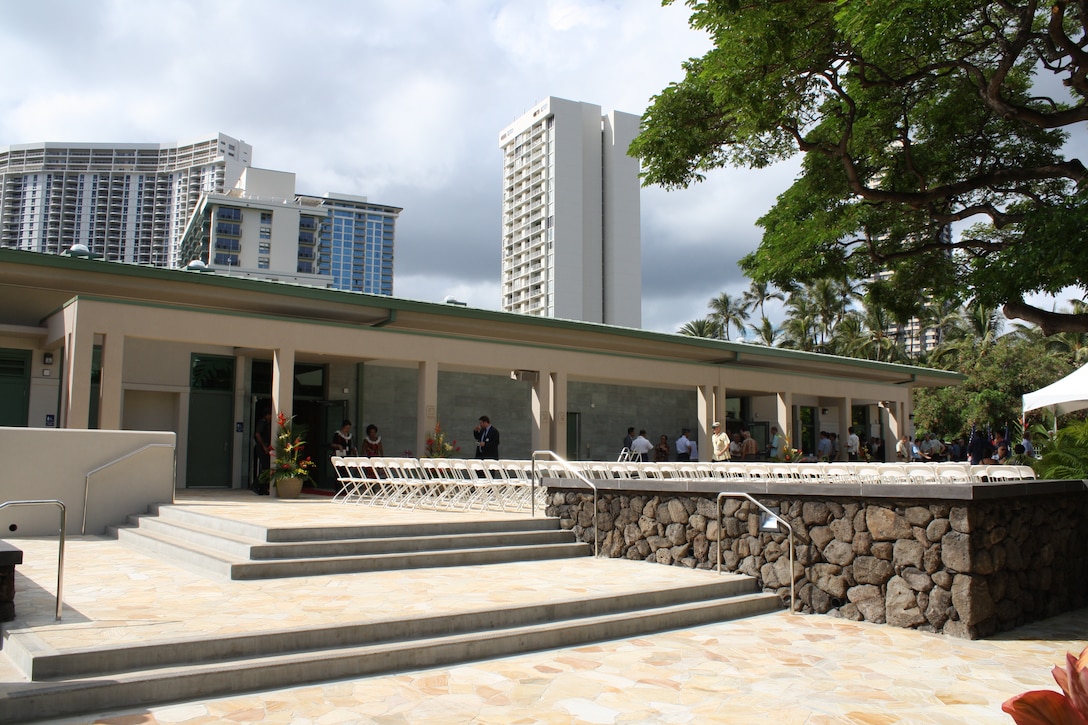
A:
[933,136]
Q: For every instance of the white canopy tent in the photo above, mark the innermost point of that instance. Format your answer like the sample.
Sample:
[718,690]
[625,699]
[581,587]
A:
[1068,394]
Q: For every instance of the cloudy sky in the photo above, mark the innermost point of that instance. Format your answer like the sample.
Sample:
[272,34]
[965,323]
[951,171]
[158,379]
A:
[401,101]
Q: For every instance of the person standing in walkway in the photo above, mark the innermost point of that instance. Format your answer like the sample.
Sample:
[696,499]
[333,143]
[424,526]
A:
[720,441]
[487,439]
[774,448]
[749,449]
[372,444]
[641,447]
[661,450]
[683,446]
[853,444]
[342,443]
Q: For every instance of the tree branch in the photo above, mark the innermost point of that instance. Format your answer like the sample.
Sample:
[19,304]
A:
[1049,322]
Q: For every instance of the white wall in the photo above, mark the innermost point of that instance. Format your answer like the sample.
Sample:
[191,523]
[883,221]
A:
[48,463]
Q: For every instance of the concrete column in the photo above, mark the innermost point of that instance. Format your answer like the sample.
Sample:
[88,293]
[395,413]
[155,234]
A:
[78,355]
[785,416]
[895,429]
[283,385]
[426,402]
[845,415]
[559,412]
[542,412]
[109,407]
[719,404]
[705,396]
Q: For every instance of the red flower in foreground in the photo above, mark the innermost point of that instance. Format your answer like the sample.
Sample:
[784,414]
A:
[1046,707]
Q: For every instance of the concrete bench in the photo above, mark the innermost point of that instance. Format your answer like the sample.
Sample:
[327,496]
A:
[9,557]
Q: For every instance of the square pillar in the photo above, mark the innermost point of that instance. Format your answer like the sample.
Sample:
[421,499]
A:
[542,412]
[109,407]
[559,413]
[426,403]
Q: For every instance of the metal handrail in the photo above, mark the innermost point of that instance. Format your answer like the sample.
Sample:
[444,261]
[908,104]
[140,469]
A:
[773,515]
[60,554]
[130,454]
[577,474]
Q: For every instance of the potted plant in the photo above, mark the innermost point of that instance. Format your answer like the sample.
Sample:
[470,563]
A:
[289,468]
[438,446]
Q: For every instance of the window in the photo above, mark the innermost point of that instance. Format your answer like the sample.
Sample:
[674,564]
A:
[266,233]
[264,248]
[262,263]
[211,372]
[266,217]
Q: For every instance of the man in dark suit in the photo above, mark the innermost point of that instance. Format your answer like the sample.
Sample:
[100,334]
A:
[487,439]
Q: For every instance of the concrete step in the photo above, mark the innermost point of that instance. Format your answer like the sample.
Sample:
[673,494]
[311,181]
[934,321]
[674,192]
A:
[248,548]
[187,543]
[107,678]
[174,512]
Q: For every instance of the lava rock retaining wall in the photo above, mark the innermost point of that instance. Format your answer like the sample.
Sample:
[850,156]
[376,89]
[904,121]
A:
[962,568]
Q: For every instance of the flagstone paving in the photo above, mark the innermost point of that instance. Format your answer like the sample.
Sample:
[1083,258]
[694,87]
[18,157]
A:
[778,668]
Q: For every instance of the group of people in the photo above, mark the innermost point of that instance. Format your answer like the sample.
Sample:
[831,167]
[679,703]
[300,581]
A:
[639,448]
[740,447]
[979,448]
[343,444]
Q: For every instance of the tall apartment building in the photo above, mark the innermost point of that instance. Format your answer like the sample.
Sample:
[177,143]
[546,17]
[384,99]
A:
[126,202]
[571,245]
[262,228]
[356,241]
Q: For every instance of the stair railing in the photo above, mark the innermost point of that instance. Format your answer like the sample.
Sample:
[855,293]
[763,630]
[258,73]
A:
[577,472]
[60,551]
[104,466]
[773,515]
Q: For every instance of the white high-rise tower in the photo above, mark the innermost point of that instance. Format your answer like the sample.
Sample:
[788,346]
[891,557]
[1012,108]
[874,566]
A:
[571,240]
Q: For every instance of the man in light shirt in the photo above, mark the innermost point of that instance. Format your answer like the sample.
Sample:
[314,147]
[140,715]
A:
[720,440]
[641,447]
[853,444]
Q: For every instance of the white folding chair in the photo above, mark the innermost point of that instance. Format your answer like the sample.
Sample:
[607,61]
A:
[953,473]
[867,473]
[839,473]
[892,473]
[922,473]
[1026,472]
[999,472]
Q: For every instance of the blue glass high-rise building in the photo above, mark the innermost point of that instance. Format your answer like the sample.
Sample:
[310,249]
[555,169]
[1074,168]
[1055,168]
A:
[355,242]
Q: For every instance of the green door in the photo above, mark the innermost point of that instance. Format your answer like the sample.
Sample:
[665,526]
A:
[211,422]
[14,387]
[574,435]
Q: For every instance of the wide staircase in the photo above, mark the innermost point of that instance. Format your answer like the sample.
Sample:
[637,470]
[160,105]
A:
[112,676]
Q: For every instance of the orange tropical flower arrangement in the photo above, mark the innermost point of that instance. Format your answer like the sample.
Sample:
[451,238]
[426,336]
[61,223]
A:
[287,456]
[1046,707]
[438,446]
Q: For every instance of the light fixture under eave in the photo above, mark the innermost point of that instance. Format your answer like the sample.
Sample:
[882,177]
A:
[525,376]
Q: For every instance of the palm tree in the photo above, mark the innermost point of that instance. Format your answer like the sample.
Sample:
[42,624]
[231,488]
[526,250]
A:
[825,296]
[882,346]
[728,312]
[758,294]
[1073,344]
[765,333]
[851,339]
[799,329]
[703,327]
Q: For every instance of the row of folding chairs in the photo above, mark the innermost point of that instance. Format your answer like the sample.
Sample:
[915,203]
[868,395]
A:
[436,483]
[809,472]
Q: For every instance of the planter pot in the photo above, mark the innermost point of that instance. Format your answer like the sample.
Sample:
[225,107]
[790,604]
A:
[288,487]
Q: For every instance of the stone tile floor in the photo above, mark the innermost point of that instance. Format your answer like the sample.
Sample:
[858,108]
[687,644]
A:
[778,667]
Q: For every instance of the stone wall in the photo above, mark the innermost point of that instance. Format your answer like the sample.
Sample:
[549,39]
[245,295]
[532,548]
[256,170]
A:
[962,568]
